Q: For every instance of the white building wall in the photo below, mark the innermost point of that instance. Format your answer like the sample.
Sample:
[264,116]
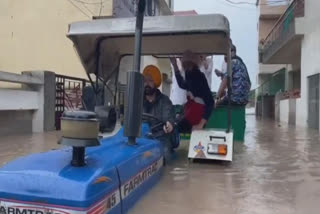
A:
[310,54]
[301,113]
[284,111]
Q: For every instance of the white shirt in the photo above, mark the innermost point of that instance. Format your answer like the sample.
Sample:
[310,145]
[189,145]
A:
[178,96]
[224,67]
[208,72]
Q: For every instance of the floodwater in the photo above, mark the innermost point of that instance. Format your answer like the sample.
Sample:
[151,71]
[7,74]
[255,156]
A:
[276,170]
[12,147]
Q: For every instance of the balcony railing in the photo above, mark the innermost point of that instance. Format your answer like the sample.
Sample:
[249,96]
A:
[273,85]
[285,25]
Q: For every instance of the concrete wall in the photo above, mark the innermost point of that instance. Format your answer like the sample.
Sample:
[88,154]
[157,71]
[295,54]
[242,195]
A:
[284,111]
[271,10]
[288,111]
[15,122]
[310,53]
[277,107]
[31,108]
[44,116]
[294,80]
[270,68]
[292,112]
[265,26]
[32,34]
[301,120]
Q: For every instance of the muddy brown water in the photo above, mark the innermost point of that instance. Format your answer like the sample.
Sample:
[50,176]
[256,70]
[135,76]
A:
[276,170]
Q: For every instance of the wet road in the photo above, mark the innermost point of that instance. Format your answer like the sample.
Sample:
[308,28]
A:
[276,170]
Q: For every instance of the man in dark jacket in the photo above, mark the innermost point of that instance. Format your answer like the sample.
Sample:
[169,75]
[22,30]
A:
[200,101]
[158,104]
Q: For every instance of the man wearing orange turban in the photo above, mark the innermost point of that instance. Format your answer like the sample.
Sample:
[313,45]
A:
[158,104]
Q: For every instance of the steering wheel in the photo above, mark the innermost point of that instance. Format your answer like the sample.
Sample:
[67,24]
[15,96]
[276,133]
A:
[157,128]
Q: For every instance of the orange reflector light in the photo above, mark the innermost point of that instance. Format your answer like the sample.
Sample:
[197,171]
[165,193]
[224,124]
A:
[102,179]
[217,149]
[222,149]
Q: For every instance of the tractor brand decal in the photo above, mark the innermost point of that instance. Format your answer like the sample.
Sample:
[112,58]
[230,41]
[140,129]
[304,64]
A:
[199,149]
[140,178]
[105,205]
[102,207]
[10,208]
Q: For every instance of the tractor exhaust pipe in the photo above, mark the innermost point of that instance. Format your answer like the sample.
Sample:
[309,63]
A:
[135,89]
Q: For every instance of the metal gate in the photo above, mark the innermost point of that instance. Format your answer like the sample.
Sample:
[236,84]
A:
[313,102]
[68,95]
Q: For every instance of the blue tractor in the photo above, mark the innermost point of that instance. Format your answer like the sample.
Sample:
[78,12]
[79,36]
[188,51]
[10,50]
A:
[98,175]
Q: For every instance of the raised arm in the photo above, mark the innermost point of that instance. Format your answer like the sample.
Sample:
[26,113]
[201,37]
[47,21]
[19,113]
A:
[180,80]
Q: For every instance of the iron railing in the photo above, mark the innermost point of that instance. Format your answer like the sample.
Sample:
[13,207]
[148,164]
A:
[68,95]
[285,24]
[275,84]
